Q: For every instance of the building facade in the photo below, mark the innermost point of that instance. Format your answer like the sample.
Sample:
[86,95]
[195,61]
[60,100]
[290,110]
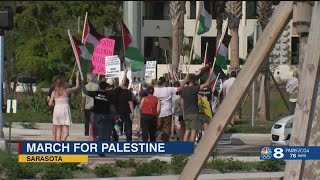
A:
[149,20]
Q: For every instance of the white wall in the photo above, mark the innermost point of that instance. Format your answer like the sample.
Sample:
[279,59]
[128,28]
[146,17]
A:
[163,68]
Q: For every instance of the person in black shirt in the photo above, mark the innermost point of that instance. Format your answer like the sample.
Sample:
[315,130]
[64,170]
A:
[125,107]
[104,109]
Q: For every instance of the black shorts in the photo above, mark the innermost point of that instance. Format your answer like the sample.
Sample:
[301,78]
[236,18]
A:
[180,118]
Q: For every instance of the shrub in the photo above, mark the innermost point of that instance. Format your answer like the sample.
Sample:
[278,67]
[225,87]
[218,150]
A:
[105,170]
[56,171]
[125,164]
[230,164]
[178,162]
[35,103]
[27,116]
[270,166]
[153,167]
[15,170]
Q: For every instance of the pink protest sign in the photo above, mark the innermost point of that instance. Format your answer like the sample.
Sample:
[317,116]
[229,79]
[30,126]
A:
[103,49]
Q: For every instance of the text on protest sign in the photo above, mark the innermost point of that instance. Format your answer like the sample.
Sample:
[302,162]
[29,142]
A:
[113,67]
[150,71]
[103,49]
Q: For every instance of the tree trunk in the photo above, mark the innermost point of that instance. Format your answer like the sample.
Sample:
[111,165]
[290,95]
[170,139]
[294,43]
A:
[181,30]
[175,48]
[234,44]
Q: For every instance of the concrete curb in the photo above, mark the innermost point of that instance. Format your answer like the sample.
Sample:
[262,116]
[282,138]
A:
[250,139]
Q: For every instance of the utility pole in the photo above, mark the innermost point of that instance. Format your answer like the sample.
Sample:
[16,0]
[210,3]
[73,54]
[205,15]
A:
[2,141]
[6,23]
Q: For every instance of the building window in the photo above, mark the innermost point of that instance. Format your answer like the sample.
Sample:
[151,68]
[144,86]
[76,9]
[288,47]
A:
[211,8]
[193,9]
[295,44]
[251,9]
[211,48]
[152,51]
[156,10]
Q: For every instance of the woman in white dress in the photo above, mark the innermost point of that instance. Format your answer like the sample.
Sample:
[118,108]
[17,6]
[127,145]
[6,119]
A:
[61,111]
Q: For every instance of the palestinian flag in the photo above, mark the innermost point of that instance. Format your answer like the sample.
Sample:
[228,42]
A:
[90,37]
[203,73]
[84,56]
[222,51]
[205,21]
[126,35]
[137,60]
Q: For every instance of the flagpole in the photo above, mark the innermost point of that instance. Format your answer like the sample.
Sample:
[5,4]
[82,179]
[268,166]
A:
[215,83]
[84,26]
[205,55]
[74,68]
[75,53]
[194,36]
[123,45]
[225,28]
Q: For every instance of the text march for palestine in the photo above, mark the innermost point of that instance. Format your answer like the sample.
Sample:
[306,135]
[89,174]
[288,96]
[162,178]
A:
[79,151]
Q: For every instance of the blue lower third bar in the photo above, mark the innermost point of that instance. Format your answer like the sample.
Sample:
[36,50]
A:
[290,152]
[106,147]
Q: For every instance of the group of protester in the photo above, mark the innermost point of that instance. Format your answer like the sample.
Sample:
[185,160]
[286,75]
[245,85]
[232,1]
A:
[109,108]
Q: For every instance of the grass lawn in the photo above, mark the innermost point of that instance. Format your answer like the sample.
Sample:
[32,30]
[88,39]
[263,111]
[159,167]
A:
[277,110]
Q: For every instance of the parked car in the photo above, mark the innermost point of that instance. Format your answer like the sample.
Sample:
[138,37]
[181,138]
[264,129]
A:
[281,130]
[23,84]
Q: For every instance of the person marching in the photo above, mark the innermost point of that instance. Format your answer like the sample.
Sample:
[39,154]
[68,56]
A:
[104,110]
[150,110]
[61,112]
[165,94]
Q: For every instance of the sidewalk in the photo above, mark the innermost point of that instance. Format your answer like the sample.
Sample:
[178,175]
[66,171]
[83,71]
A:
[44,133]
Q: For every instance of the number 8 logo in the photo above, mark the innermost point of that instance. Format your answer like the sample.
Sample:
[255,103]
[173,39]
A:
[278,153]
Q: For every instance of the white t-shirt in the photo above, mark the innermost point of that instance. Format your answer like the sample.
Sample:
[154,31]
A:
[228,83]
[89,100]
[165,96]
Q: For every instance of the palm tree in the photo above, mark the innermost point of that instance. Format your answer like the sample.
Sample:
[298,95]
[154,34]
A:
[176,11]
[233,11]
[181,25]
[265,10]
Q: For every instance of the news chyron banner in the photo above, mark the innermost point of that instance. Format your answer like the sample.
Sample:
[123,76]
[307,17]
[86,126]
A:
[79,151]
[290,152]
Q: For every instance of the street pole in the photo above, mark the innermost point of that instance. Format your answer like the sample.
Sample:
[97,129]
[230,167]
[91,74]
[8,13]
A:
[2,141]
[253,112]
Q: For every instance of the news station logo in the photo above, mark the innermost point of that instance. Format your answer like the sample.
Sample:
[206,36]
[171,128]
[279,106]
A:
[266,153]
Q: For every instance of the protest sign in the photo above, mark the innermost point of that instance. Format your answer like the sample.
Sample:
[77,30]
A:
[150,72]
[137,76]
[103,49]
[113,67]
